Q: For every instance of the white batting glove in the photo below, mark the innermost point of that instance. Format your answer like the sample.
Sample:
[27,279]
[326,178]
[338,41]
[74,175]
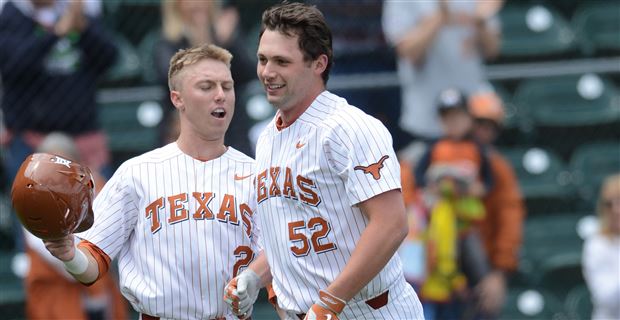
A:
[241,293]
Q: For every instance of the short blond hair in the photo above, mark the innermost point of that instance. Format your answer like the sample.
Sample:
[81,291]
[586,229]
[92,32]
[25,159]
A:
[187,57]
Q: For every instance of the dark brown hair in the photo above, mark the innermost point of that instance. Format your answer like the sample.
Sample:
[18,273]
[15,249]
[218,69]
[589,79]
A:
[308,23]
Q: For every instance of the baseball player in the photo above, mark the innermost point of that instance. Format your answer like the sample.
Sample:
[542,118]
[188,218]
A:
[179,218]
[327,187]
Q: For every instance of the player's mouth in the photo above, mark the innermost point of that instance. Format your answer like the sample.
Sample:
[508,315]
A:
[273,87]
[219,113]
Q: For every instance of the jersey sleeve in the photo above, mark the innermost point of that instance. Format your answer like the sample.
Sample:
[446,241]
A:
[360,151]
[116,213]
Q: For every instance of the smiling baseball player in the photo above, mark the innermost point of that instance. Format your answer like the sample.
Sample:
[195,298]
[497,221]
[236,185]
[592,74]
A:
[180,219]
[327,187]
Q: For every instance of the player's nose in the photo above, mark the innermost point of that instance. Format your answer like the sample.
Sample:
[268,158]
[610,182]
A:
[220,95]
[266,71]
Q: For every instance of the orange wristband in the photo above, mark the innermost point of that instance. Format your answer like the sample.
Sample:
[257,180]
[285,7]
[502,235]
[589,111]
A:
[332,302]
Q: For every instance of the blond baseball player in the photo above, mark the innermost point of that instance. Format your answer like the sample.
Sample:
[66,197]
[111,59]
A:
[180,219]
[327,187]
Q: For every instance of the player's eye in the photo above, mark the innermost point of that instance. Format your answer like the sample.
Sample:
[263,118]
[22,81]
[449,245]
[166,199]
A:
[262,60]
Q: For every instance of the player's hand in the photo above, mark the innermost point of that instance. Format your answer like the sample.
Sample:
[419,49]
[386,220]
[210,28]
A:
[241,293]
[485,9]
[327,308]
[63,248]
[491,292]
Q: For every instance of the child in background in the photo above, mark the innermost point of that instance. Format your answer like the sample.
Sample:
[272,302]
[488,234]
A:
[454,174]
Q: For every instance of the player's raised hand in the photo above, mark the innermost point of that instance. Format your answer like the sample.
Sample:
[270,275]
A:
[241,293]
[63,248]
[327,308]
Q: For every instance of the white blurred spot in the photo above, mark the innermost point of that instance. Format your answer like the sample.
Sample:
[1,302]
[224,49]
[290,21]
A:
[536,161]
[149,113]
[538,19]
[590,86]
[20,264]
[587,226]
[258,108]
[255,132]
[530,302]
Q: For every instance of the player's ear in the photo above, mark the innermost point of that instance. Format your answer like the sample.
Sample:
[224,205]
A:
[320,64]
[177,101]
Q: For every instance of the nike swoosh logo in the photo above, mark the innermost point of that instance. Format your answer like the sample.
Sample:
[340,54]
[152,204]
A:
[299,145]
[238,177]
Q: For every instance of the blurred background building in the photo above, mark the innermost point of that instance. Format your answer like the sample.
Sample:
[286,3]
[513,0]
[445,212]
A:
[557,71]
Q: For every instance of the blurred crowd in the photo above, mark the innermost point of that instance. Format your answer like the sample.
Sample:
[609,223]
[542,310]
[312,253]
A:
[465,207]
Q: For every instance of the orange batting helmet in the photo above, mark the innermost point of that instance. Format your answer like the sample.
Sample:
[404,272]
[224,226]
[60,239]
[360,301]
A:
[53,196]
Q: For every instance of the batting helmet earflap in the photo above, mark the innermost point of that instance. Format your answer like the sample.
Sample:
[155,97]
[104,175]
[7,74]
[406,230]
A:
[53,196]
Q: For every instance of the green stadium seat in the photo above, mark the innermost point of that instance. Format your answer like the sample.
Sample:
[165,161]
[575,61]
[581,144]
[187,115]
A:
[591,163]
[578,304]
[12,292]
[543,178]
[125,131]
[597,26]
[549,242]
[127,67]
[561,271]
[511,120]
[145,51]
[575,100]
[530,30]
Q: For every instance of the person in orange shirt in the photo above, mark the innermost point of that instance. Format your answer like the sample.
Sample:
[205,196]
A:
[505,211]
[455,175]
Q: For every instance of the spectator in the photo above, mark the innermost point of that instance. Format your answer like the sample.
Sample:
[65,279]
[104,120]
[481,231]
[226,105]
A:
[52,292]
[440,44]
[601,254]
[51,55]
[188,23]
[502,227]
[360,48]
[455,174]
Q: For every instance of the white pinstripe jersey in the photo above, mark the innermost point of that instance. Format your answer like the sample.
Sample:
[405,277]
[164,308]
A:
[180,227]
[310,176]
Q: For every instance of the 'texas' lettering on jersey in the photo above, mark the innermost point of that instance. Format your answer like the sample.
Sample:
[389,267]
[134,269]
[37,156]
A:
[302,188]
[178,205]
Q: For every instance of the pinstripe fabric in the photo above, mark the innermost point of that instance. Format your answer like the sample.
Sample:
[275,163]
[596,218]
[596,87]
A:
[307,190]
[175,255]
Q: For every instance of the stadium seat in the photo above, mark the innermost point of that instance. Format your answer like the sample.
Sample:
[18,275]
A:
[561,271]
[543,178]
[578,304]
[550,242]
[597,27]
[12,294]
[127,67]
[132,18]
[530,30]
[591,163]
[145,51]
[126,132]
[569,100]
